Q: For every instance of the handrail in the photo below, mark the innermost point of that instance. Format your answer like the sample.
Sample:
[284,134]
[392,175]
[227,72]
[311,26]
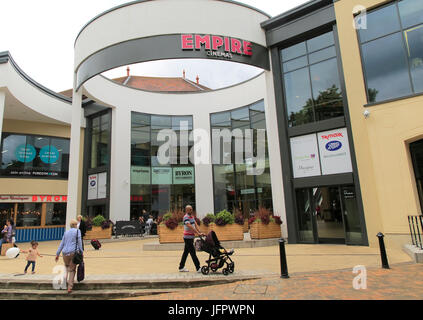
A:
[415,223]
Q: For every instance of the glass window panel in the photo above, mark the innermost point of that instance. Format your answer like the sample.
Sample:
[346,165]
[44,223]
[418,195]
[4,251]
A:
[414,43]
[386,68]
[177,122]
[294,51]
[295,64]
[258,106]
[224,187]
[380,22]
[7,211]
[326,90]
[161,122]
[305,225]
[258,120]
[320,42]
[39,164]
[298,97]
[322,55]
[13,152]
[55,214]
[62,164]
[411,12]
[222,119]
[241,118]
[28,215]
[140,118]
[351,215]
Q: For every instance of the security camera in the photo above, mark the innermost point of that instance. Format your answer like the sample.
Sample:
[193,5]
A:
[366,113]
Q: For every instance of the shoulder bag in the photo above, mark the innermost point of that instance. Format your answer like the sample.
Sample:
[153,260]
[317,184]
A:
[78,257]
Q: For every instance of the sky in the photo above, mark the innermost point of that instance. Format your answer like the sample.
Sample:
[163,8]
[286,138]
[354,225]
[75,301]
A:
[40,36]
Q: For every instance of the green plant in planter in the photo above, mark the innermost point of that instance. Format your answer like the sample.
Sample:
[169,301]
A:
[167,216]
[98,221]
[224,217]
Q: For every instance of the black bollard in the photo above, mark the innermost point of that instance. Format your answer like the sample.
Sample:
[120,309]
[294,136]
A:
[383,256]
[284,265]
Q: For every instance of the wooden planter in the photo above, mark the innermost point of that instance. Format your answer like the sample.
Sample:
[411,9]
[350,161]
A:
[98,233]
[262,231]
[228,232]
[167,235]
[205,229]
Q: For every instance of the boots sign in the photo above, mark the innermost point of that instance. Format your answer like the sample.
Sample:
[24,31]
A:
[217,46]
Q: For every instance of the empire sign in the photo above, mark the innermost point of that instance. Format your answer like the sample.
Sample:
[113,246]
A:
[217,46]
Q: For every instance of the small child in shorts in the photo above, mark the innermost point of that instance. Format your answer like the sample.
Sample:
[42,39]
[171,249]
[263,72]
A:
[32,256]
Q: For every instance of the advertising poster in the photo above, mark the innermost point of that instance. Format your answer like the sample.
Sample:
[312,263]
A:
[335,154]
[183,175]
[102,185]
[92,186]
[305,156]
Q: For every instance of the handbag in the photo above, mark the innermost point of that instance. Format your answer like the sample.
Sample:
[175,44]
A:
[80,274]
[78,258]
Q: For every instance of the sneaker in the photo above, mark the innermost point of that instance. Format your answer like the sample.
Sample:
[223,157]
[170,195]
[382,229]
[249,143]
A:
[183,270]
[199,270]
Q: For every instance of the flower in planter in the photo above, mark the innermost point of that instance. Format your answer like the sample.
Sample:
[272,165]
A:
[220,222]
[171,223]
[106,224]
[209,218]
[263,215]
[252,220]
[278,220]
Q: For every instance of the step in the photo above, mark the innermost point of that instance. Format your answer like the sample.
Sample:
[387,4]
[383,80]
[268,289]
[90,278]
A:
[13,294]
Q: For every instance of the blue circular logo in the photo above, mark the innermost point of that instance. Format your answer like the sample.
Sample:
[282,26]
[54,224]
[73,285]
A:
[92,183]
[333,145]
[25,153]
[49,154]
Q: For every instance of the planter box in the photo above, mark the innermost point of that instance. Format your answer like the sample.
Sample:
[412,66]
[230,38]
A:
[228,232]
[98,233]
[245,228]
[205,229]
[262,231]
[167,235]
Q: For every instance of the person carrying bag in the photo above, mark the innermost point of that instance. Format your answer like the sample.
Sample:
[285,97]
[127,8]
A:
[72,251]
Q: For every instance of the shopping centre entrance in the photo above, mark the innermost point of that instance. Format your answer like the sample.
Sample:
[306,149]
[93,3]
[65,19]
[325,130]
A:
[328,215]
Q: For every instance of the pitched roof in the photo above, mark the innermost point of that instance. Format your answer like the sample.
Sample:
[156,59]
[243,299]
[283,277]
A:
[156,84]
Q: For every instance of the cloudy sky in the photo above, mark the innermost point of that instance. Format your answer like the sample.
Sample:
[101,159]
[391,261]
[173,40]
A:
[40,36]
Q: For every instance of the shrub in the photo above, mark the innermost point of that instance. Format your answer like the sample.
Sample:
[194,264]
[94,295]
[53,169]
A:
[209,218]
[98,221]
[167,216]
[171,223]
[239,218]
[226,217]
[278,220]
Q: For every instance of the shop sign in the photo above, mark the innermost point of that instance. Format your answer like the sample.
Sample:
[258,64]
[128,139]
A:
[25,153]
[183,175]
[216,46]
[161,175]
[49,154]
[97,186]
[92,186]
[33,198]
[140,175]
[334,151]
[305,156]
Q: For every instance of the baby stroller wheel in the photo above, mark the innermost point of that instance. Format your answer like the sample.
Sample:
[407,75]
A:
[231,267]
[225,271]
[205,270]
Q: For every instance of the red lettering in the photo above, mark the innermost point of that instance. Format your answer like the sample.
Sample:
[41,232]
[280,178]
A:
[199,40]
[34,198]
[217,42]
[227,44]
[187,42]
[236,46]
[48,198]
[64,198]
[56,198]
[247,48]
[42,198]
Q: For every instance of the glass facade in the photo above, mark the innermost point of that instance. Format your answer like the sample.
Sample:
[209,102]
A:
[156,187]
[234,188]
[311,79]
[34,156]
[100,137]
[392,50]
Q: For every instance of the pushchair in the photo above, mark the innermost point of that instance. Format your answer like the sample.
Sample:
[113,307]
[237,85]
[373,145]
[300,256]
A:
[218,256]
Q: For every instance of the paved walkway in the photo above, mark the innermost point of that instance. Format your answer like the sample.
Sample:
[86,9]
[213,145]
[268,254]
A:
[401,282]
[128,258]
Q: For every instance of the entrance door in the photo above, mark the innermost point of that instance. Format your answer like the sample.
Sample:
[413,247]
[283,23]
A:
[328,214]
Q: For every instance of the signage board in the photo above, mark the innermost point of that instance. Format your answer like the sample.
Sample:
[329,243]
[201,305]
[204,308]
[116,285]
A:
[128,228]
[140,175]
[334,149]
[92,186]
[183,175]
[102,185]
[161,175]
[32,198]
[305,156]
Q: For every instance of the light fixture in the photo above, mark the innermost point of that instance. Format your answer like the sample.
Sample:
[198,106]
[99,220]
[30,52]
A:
[366,114]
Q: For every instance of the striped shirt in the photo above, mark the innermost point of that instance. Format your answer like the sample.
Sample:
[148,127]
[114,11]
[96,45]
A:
[188,232]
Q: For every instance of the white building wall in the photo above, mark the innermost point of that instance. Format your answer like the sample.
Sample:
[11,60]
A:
[2,103]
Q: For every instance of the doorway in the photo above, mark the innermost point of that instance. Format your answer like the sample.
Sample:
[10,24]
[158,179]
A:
[328,214]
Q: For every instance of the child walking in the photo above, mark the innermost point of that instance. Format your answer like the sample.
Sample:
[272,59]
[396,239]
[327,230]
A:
[32,256]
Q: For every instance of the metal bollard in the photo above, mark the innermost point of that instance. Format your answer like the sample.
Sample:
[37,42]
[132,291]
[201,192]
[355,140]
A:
[284,265]
[383,256]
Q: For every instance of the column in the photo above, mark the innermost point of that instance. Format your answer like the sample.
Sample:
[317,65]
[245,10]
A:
[74,158]
[275,160]
[203,172]
[120,164]
[2,105]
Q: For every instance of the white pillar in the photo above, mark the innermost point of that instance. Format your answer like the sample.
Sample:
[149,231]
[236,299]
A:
[120,165]
[74,163]
[2,105]
[275,161]
[203,172]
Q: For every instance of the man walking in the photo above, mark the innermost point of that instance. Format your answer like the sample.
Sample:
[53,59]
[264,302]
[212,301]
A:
[190,229]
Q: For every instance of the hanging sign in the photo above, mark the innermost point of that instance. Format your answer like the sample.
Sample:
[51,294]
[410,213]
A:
[140,175]
[335,154]
[305,156]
